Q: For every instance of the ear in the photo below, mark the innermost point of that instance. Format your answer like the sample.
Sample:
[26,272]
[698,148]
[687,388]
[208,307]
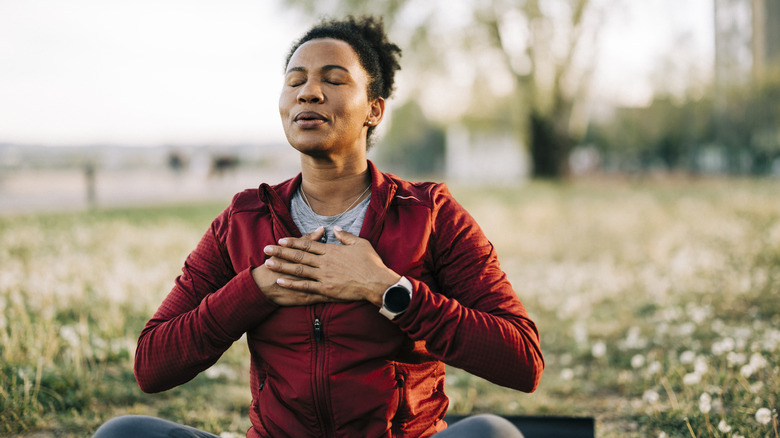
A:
[377,111]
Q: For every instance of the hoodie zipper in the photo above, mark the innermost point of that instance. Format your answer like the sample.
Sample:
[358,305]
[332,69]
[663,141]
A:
[320,375]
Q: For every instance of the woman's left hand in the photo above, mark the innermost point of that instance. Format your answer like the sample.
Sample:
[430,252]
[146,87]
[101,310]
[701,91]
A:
[349,272]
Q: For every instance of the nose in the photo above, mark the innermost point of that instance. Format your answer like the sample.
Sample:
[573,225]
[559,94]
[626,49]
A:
[310,92]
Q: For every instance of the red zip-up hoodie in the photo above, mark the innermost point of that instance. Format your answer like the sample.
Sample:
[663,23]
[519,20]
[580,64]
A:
[342,369]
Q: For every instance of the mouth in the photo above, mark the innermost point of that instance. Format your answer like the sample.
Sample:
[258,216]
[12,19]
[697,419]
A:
[310,119]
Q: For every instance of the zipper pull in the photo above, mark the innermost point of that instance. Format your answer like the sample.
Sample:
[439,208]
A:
[317,330]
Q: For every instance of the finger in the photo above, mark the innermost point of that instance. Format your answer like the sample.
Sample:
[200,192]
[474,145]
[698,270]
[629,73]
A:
[308,245]
[294,269]
[290,255]
[299,285]
[345,237]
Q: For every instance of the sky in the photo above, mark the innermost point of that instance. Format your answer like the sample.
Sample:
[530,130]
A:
[177,72]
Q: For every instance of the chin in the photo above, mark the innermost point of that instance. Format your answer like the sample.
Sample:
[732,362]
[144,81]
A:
[312,149]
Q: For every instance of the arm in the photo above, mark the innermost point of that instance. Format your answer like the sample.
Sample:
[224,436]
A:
[208,309]
[476,322]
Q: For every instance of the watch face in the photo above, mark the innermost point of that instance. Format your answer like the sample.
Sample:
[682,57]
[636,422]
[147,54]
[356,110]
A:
[397,299]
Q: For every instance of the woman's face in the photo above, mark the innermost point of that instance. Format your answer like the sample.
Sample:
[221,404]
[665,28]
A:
[324,102]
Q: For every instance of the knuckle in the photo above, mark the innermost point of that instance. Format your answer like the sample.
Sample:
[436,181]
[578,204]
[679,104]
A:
[298,270]
[298,256]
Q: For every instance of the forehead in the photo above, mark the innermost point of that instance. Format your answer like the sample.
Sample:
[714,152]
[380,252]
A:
[314,54]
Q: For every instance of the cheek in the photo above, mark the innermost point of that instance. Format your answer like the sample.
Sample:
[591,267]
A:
[357,110]
[282,104]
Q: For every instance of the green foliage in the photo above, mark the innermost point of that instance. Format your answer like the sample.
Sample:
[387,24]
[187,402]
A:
[413,143]
[742,125]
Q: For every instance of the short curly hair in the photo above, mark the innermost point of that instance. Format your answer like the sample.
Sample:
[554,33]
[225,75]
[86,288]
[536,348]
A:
[367,37]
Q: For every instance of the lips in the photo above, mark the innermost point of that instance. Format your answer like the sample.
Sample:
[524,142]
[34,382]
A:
[310,119]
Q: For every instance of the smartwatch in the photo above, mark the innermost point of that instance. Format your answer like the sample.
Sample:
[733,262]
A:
[396,299]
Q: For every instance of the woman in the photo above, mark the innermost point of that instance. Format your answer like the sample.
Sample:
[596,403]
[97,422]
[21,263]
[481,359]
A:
[354,287]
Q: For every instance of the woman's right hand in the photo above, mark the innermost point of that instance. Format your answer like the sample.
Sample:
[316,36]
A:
[266,281]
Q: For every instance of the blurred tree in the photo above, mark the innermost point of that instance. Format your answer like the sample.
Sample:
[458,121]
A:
[413,143]
[675,134]
[665,135]
[534,56]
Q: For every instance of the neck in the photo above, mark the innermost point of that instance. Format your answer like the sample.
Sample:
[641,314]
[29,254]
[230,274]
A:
[332,186]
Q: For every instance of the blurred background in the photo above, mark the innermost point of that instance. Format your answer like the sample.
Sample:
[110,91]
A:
[121,102]
[622,156]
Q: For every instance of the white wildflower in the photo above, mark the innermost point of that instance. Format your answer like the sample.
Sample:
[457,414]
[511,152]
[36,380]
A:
[637,361]
[687,356]
[723,427]
[699,314]
[634,340]
[700,365]
[599,349]
[747,370]
[567,374]
[764,416]
[650,396]
[686,330]
[654,367]
[736,358]
[755,387]
[723,346]
[69,334]
[757,361]
[662,435]
[705,403]
[692,378]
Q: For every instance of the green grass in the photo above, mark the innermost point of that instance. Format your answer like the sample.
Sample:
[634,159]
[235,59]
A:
[648,295]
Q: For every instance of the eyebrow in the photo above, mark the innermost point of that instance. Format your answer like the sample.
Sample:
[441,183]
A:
[324,68]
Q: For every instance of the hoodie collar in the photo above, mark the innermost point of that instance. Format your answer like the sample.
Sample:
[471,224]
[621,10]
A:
[279,197]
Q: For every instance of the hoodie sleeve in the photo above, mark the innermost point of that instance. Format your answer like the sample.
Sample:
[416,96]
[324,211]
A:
[475,322]
[209,308]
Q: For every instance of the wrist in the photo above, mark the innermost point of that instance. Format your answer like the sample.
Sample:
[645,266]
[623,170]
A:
[380,286]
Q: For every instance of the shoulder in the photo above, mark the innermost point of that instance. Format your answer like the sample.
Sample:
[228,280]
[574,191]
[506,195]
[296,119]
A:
[262,198]
[428,193]
[247,200]
[251,205]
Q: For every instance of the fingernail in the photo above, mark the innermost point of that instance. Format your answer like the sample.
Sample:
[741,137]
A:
[268,249]
[282,241]
[337,228]
[270,262]
[280,281]
[319,228]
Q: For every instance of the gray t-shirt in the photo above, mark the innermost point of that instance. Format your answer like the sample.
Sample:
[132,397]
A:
[308,221]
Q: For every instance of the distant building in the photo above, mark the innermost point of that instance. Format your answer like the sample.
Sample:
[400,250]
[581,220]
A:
[484,156]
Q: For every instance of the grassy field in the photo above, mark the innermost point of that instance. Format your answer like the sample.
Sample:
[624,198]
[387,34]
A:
[658,304]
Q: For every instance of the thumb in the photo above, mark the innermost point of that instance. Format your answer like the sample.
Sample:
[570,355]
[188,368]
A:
[344,237]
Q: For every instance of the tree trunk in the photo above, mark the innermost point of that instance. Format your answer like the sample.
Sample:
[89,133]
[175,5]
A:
[550,147]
